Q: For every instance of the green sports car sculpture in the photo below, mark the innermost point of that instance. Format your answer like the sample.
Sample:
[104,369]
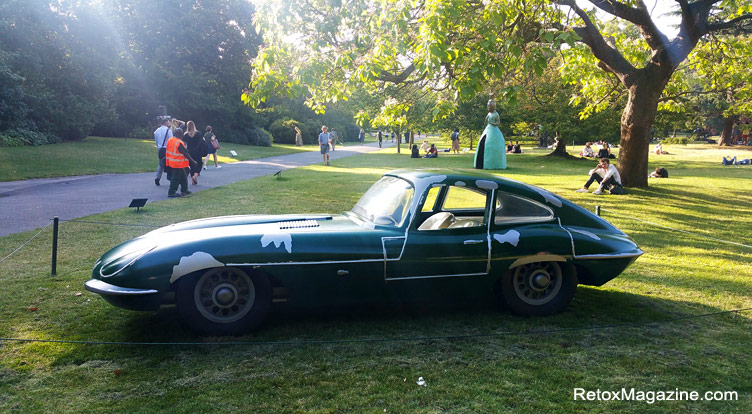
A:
[412,234]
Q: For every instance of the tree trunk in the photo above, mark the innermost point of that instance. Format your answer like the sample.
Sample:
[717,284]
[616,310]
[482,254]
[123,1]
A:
[561,149]
[399,139]
[728,126]
[636,122]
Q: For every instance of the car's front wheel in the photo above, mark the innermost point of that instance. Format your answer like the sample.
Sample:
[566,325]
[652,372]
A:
[540,288]
[224,300]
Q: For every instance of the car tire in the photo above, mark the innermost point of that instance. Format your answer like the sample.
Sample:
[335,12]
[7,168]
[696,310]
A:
[539,288]
[223,300]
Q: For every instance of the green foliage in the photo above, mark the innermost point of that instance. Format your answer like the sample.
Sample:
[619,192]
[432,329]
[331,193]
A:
[681,140]
[57,79]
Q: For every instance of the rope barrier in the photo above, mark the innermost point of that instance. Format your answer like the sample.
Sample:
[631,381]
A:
[27,242]
[679,230]
[110,224]
[382,340]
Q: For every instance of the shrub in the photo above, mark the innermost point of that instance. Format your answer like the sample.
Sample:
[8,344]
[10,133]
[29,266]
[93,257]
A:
[676,140]
[21,137]
[283,130]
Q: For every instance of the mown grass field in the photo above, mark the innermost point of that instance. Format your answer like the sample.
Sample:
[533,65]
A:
[97,155]
[506,367]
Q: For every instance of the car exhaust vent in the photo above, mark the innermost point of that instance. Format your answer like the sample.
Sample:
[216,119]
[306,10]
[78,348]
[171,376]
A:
[298,224]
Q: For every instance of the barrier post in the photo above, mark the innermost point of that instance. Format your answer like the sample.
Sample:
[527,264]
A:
[598,211]
[55,222]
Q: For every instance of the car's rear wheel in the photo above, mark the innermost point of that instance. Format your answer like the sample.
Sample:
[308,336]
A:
[539,288]
[224,300]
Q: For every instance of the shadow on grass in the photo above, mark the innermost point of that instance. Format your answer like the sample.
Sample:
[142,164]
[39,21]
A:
[592,310]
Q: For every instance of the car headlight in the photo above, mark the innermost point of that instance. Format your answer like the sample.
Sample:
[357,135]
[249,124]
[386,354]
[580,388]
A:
[115,266]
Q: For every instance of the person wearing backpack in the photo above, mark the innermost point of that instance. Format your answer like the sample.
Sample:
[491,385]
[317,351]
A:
[212,145]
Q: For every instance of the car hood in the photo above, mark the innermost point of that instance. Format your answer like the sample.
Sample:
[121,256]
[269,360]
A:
[249,240]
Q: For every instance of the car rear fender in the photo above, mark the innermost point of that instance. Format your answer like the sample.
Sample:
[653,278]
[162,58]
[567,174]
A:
[537,258]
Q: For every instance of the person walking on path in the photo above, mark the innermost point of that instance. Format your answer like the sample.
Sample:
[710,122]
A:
[362,136]
[333,139]
[178,160]
[324,144]
[381,137]
[197,147]
[456,141]
[210,139]
[161,135]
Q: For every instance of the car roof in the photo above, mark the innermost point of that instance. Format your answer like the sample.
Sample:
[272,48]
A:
[456,174]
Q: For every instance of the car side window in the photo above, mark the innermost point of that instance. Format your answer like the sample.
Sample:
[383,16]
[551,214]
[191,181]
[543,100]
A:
[462,198]
[431,197]
[513,208]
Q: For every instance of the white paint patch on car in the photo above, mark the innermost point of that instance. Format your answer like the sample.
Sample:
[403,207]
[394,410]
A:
[512,237]
[460,184]
[549,197]
[585,232]
[278,239]
[192,263]
[486,185]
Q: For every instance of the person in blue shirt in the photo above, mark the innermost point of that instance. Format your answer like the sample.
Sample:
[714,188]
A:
[324,144]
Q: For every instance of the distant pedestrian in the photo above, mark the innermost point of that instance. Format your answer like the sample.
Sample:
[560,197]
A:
[161,135]
[178,160]
[362,136]
[332,139]
[324,144]
[298,137]
[393,135]
[198,149]
[212,144]
[381,137]
[456,141]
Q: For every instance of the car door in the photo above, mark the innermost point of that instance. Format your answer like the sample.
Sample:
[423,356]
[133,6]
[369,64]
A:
[458,246]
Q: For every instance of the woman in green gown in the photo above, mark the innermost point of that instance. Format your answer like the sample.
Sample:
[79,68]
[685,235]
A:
[491,154]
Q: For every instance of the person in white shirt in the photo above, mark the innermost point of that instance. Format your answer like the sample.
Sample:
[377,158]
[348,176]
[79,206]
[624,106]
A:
[607,177]
[587,151]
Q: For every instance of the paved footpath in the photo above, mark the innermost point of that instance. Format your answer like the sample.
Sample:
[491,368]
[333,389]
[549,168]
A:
[30,204]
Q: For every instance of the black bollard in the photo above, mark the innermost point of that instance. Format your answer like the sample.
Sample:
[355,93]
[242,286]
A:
[598,211]
[55,222]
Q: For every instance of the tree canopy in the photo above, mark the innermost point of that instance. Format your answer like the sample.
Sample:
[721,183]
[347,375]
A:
[326,49]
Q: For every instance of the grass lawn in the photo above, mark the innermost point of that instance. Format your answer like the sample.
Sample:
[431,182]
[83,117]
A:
[505,371]
[97,155]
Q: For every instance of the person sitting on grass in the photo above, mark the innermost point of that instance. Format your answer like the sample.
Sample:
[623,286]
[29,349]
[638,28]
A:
[516,149]
[659,149]
[432,152]
[424,147]
[510,147]
[587,151]
[607,176]
[415,153]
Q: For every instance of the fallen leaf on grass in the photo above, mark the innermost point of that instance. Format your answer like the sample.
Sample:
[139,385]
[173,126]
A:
[33,308]
[77,294]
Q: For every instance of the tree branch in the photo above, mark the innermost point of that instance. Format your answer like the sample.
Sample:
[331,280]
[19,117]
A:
[714,27]
[591,36]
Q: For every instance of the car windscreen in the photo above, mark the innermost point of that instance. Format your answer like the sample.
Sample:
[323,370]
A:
[386,203]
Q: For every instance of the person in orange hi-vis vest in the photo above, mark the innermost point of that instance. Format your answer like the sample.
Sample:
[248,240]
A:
[178,161]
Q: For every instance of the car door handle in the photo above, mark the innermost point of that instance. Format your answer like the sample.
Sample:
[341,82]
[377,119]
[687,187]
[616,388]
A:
[473,241]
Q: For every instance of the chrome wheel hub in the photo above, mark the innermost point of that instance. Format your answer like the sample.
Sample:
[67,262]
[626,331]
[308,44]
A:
[224,295]
[537,283]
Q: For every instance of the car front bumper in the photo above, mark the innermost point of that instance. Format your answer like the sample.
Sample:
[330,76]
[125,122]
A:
[126,298]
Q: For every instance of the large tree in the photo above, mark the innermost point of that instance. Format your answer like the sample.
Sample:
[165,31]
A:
[644,76]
